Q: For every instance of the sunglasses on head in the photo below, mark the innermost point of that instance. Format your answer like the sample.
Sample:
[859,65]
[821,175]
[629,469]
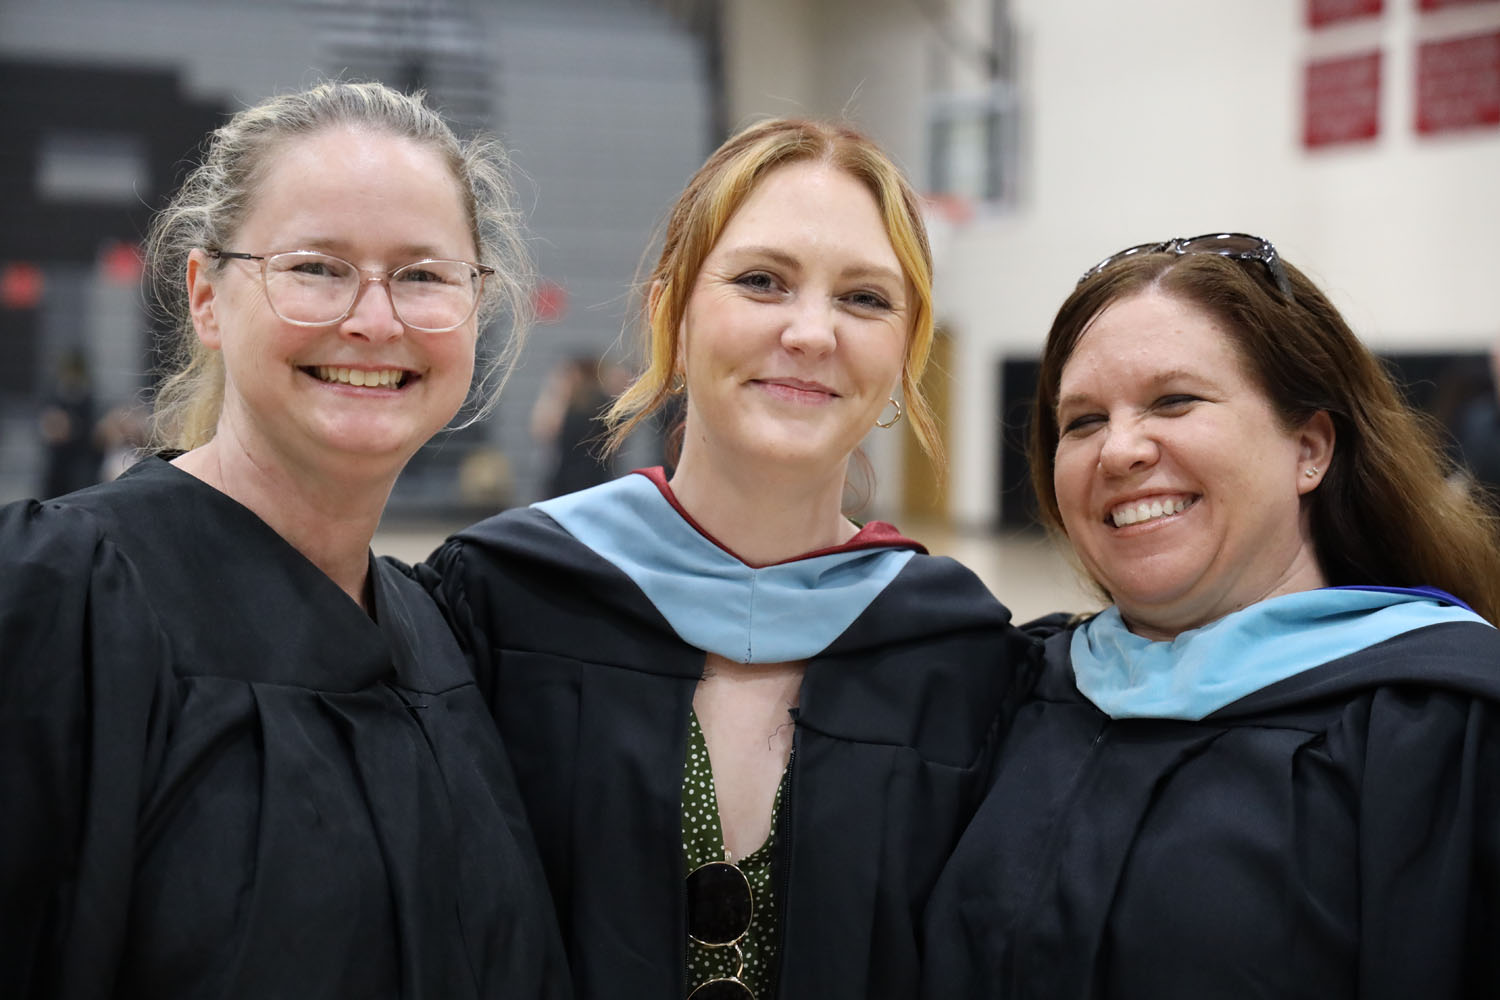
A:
[719,908]
[1237,246]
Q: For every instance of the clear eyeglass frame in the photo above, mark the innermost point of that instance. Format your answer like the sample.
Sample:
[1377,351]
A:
[473,287]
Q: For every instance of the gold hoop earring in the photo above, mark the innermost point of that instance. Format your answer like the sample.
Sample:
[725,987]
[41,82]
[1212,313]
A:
[894,420]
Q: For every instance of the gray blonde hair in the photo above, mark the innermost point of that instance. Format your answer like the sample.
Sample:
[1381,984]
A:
[212,203]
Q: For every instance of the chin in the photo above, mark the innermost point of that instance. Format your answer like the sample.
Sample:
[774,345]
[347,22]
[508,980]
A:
[374,443]
[1140,600]
[792,445]
[813,461]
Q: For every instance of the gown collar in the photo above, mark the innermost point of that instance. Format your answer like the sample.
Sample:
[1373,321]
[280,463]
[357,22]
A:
[284,619]
[871,535]
[714,600]
[1204,669]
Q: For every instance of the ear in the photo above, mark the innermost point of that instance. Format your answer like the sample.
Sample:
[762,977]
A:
[201,300]
[1315,441]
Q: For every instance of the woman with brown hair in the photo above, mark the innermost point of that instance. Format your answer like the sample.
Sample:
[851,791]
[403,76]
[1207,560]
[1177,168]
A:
[1271,767]
[747,728]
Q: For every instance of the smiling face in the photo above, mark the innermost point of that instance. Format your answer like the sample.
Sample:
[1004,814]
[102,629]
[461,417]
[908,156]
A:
[1177,483]
[796,329]
[366,388]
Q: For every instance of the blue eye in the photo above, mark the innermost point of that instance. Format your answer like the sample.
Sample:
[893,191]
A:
[452,273]
[309,266]
[318,269]
[758,281]
[868,300]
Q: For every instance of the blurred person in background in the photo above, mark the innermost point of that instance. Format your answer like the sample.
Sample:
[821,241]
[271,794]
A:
[124,434]
[569,420]
[238,757]
[1271,768]
[66,425]
[748,729]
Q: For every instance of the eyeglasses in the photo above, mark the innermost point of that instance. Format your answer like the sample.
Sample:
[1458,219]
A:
[719,908]
[317,289]
[1239,246]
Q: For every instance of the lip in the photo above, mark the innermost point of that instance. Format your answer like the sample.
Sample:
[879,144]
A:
[796,390]
[1134,500]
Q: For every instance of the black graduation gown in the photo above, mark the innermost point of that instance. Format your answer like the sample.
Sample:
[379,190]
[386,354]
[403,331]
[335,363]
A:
[220,778]
[593,692]
[1336,834]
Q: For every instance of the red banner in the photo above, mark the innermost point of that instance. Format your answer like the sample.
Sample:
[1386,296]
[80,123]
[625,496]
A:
[1341,100]
[1458,83]
[21,285]
[1321,12]
[1440,4]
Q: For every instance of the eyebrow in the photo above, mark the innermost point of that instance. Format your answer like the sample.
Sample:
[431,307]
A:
[1156,381]
[857,271]
[340,247]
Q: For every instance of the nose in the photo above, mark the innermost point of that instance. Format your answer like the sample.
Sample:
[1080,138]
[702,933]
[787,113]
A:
[810,329]
[1126,448]
[373,316]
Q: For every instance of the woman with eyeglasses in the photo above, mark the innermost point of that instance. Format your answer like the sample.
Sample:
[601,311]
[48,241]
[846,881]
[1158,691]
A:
[238,757]
[1271,766]
[748,729]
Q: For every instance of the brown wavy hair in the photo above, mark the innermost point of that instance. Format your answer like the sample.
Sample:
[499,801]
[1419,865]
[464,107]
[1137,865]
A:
[1387,512]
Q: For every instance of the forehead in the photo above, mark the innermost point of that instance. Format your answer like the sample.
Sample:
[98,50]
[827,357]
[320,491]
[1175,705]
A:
[811,205]
[350,178]
[1145,336]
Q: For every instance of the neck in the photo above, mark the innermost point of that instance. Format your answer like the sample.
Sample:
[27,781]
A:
[763,515]
[328,518]
[1163,625]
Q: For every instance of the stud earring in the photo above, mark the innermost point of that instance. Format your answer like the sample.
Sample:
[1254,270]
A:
[1311,473]
[894,420]
[677,384]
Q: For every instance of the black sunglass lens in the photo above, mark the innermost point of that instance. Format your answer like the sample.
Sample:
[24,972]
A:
[1228,244]
[1125,254]
[718,904]
[1242,247]
[722,989]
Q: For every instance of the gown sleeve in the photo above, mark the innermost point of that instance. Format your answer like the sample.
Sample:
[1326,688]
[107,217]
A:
[444,576]
[1430,845]
[82,670]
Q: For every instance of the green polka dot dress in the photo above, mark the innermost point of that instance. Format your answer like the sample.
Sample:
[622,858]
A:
[702,842]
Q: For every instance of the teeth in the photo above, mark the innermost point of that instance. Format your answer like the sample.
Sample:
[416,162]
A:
[385,379]
[1147,510]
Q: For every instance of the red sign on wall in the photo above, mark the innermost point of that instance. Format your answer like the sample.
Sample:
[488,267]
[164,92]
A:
[1458,83]
[1321,12]
[1341,101]
[1440,4]
[549,302]
[21,285]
